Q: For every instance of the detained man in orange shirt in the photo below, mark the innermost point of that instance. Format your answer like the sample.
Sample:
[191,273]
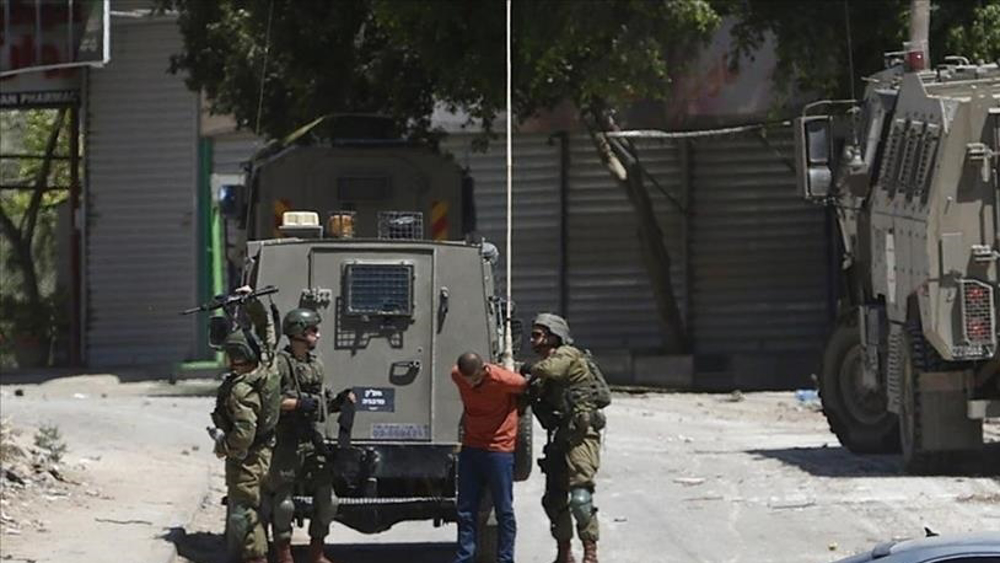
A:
[489,395]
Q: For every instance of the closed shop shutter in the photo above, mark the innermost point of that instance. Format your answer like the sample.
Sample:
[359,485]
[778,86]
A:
[611,304]
[535,219]
[759,260]
[141,232]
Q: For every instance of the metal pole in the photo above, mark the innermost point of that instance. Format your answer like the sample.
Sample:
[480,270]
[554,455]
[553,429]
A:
[920,21]
[75,218]
[507,357]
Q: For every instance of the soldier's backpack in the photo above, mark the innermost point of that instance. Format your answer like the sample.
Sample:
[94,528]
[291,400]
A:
[268,385]
[600,392]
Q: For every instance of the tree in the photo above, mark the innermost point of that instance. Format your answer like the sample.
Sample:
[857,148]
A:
[399,57]
[27,220]
[812,37]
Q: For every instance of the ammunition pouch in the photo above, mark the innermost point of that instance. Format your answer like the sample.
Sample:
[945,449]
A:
[598,420]
[221,421]
[548,417]
[264,439]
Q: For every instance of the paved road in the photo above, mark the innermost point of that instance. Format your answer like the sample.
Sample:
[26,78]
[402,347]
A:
[686,478]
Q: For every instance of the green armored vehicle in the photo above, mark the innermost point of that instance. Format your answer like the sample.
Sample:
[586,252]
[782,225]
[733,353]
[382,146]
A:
[398,304]
[911,175]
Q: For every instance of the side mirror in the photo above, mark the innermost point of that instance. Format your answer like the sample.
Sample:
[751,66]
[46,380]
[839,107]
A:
[232,201]
[218,330]
[813,148]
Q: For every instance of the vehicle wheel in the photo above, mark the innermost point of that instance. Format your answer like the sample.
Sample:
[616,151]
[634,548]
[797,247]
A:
[857,413]
[917,358]
[487,534]
[523,455]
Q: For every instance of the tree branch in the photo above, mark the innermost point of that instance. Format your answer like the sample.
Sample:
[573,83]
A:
[41,179]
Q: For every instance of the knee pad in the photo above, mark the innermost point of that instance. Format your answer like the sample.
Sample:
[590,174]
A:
[282,514]
[325,506]
[581,503]
[237,527]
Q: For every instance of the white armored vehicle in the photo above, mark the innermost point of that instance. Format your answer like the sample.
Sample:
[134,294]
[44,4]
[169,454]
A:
[911,173]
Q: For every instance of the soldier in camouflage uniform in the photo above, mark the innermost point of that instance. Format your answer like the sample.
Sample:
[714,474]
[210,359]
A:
[300,454]
[572,454]
[244,432]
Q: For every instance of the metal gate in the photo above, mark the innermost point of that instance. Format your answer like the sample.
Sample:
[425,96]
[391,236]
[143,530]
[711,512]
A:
[141,232]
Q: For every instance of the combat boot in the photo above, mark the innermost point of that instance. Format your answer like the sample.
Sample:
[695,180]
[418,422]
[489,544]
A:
[589,551]
[283,551]
[565,553]
[316,551]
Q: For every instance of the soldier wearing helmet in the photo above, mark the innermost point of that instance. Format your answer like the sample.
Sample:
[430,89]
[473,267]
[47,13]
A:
[244,416]
[572,454]
[299,457]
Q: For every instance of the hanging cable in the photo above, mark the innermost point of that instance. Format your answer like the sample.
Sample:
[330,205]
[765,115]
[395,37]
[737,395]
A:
[263,67]
[251,174]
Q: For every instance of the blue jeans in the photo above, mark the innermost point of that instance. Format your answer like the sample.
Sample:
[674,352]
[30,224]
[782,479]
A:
[478,469]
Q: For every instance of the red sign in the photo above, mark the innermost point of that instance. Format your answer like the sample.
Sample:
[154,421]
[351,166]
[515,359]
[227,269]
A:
[52,36]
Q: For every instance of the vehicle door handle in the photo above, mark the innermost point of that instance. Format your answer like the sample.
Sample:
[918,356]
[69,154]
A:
[404,372]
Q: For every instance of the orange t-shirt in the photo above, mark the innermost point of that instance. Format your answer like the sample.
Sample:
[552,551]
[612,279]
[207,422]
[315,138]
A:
[490,408]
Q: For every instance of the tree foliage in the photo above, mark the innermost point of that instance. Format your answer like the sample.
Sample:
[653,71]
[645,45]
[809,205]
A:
[400,57]
[28,299]
[812,37]
[397,57]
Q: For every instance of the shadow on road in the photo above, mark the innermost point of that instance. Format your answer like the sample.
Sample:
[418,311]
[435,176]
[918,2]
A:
[835,462]
[203,547]
[839,462]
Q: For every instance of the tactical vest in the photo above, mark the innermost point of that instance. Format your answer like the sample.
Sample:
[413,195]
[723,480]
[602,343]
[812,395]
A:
[267,384]
[585,399]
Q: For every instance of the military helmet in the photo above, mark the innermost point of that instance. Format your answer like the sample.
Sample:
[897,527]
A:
[242,345]
[556,325]
[297,321]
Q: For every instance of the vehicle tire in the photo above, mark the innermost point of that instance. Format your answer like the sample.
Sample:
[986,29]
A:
[918,357]
[860,418]
[487,534]
[523,454]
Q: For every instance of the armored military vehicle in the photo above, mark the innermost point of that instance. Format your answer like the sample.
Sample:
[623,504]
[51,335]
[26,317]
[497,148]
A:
[911,174]
[399,302]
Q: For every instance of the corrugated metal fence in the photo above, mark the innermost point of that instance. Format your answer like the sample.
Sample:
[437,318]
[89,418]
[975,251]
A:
[749,258]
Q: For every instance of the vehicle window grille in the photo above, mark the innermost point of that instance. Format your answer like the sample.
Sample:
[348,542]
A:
[928,159]
[905,165]
[379,289]
[912,172]
[890,161]
[400,225]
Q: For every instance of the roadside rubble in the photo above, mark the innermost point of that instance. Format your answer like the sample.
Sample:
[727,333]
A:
[34,474]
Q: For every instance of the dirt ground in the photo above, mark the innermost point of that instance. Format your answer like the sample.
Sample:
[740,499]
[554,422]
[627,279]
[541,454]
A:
[753,478]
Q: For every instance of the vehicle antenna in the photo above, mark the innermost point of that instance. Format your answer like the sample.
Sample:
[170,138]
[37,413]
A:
[507,358]
[850,69]
[850,49]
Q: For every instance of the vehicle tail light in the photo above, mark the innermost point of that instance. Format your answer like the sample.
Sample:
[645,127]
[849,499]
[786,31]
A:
[978,318]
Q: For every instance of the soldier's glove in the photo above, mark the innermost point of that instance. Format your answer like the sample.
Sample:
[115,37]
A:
[219,438]
[526,369]
[336,403]
[307,404]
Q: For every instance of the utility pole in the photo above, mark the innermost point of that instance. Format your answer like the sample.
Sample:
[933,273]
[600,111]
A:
[920,22]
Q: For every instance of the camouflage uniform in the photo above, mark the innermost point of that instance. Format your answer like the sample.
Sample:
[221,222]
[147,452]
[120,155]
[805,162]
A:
[296,458]
[247,451]
[573,454]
